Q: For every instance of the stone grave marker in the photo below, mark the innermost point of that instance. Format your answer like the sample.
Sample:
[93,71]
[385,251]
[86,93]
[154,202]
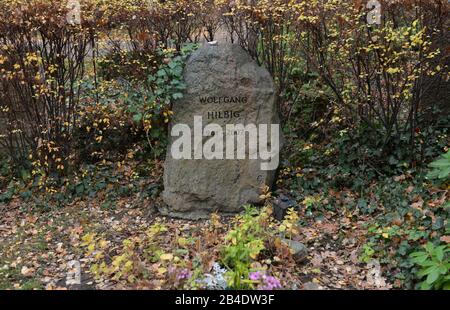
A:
[224,137]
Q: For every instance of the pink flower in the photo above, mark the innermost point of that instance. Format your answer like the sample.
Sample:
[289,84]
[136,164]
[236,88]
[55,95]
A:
[255,276]
[270,283]
[184,274]
[266,283]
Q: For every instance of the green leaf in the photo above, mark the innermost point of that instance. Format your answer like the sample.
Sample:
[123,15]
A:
[443,270]
[425,286]
[429,247]
[439,253]
[417,254]
[444,173]
[440,163]
[137,117]
[177,96]
[161,73]
[173,64]
[419,259]
[433,276]
[79,189]
[423,272]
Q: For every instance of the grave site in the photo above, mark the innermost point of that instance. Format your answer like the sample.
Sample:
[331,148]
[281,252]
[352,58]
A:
[224,145]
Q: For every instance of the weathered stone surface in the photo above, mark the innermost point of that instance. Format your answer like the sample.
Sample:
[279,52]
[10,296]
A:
[300,252]
[311,286]
[226,74]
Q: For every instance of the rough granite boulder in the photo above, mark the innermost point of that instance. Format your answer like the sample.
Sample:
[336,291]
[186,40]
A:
[224,86]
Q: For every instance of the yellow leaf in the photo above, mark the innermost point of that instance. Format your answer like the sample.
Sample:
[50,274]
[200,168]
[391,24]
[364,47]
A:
[91,247]
[162,270]
[103,243]
[182,241]
[393,70]
[166,256]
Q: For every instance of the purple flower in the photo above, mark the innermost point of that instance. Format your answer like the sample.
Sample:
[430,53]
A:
[255,276]
[184,274]
[270,283]
[265,282]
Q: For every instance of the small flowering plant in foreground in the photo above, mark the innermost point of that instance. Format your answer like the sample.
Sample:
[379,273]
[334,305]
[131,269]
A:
[264,282]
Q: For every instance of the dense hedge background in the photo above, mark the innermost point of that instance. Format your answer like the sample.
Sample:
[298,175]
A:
[85,100]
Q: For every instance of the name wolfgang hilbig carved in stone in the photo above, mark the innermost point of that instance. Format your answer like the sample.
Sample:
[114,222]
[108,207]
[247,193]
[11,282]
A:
[225,138]
[224,114]
[224,99]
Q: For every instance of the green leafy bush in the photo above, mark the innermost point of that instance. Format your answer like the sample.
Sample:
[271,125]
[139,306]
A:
[440,168]
[119,113]
[434,264]
[244,244]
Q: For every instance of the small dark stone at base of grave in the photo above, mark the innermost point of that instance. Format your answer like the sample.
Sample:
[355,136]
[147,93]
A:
[280,206]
